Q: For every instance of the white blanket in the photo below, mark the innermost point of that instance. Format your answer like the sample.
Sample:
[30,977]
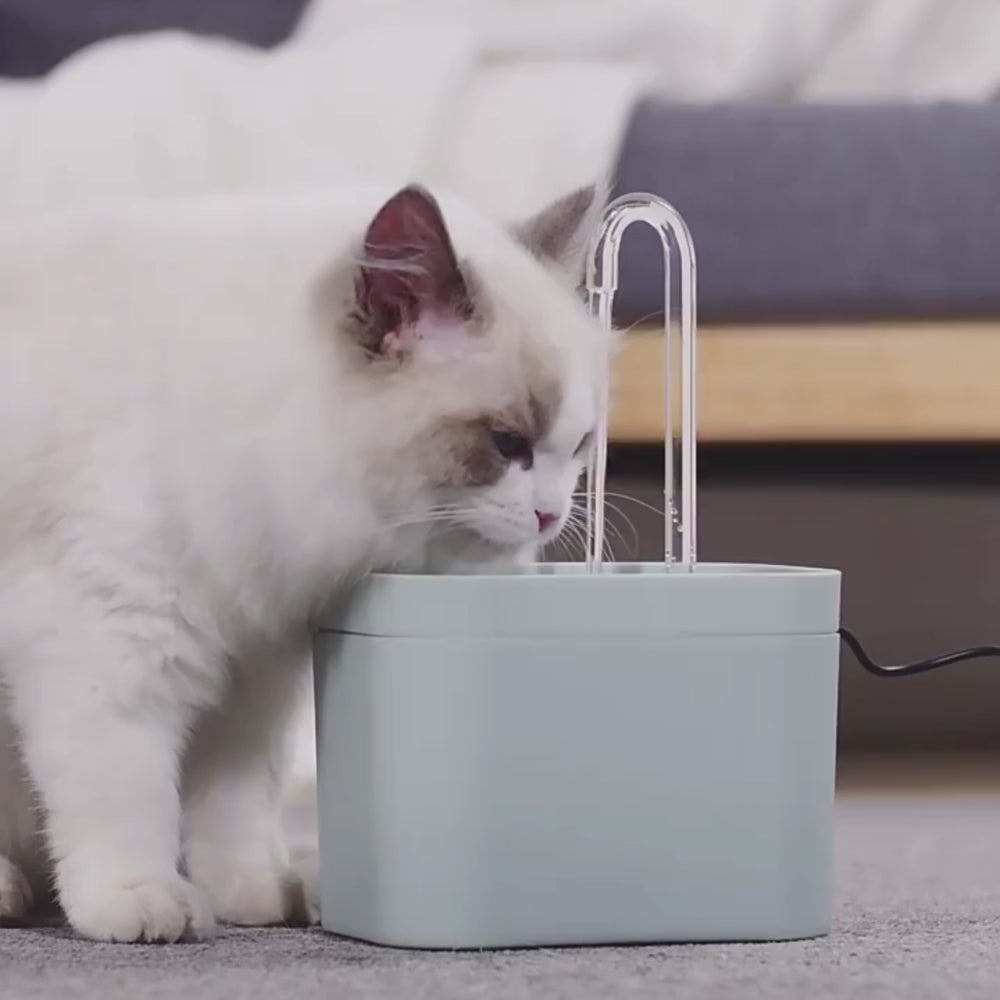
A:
[507,101]
[393,99]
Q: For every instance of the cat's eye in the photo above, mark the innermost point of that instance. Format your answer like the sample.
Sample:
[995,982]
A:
[584,444]
[514,447]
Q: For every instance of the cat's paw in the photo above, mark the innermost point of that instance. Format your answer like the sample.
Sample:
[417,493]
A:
[260,897]
[15,892]
[161,910]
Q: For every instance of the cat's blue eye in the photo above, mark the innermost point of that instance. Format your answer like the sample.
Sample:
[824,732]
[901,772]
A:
[514,447]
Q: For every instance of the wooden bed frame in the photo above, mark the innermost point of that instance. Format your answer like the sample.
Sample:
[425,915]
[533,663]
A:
[929,381]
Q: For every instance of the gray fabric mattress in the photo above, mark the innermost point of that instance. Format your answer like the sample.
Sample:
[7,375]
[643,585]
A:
[36,35]
[806,212]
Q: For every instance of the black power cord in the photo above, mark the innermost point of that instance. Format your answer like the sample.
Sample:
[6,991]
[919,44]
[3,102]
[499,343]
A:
[917,666]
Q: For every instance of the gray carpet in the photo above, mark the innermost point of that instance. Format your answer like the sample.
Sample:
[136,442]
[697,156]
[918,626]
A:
[918,916]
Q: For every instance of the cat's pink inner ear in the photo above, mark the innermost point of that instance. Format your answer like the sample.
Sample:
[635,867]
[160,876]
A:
[409,268]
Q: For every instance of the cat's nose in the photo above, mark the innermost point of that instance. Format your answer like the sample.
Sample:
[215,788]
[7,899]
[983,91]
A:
[545,519]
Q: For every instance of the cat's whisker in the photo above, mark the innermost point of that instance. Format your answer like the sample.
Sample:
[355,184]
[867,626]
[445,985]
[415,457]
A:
[616,509]
[577,516]
[578,528]
[573,544]
[572,550]
[566,538]
[655,314]
[615,534]
[630,499]
[558,544]
[634,544]
[440,513]
[576,523]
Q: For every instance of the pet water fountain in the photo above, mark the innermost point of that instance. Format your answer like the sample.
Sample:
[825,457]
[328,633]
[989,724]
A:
[585,753]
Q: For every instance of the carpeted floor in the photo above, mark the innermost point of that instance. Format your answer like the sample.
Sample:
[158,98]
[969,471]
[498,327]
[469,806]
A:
[918,916]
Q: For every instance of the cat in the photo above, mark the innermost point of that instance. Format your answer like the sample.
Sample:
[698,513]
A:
[216,416]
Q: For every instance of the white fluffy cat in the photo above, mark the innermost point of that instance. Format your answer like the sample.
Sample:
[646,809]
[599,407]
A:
[214,415]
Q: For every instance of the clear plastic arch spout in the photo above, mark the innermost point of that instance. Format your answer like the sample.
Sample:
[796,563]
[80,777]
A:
[679,291]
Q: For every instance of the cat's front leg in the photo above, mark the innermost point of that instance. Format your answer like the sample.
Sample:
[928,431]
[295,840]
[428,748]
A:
[103,721]
[234,837]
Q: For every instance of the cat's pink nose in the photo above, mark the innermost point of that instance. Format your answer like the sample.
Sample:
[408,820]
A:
[545,519]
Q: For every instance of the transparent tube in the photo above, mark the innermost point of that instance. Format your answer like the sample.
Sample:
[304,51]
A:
[680,529]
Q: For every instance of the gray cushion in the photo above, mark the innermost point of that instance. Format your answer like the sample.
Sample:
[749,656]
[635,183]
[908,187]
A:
[35,35]
[821,212]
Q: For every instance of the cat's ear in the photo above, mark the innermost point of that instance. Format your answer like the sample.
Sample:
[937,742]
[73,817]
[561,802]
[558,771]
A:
[408,272]
[560,234]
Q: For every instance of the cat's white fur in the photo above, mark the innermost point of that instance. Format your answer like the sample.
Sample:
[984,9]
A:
[191,463]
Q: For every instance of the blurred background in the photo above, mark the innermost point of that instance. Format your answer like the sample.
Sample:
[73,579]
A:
[838,163]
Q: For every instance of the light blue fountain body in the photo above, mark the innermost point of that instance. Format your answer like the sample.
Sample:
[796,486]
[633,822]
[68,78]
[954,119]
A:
[585,753]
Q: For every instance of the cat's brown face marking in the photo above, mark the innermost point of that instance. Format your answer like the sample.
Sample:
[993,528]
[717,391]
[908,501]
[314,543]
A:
[463,452]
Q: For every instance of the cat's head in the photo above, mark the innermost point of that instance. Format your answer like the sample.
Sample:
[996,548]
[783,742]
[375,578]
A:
[484,365]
